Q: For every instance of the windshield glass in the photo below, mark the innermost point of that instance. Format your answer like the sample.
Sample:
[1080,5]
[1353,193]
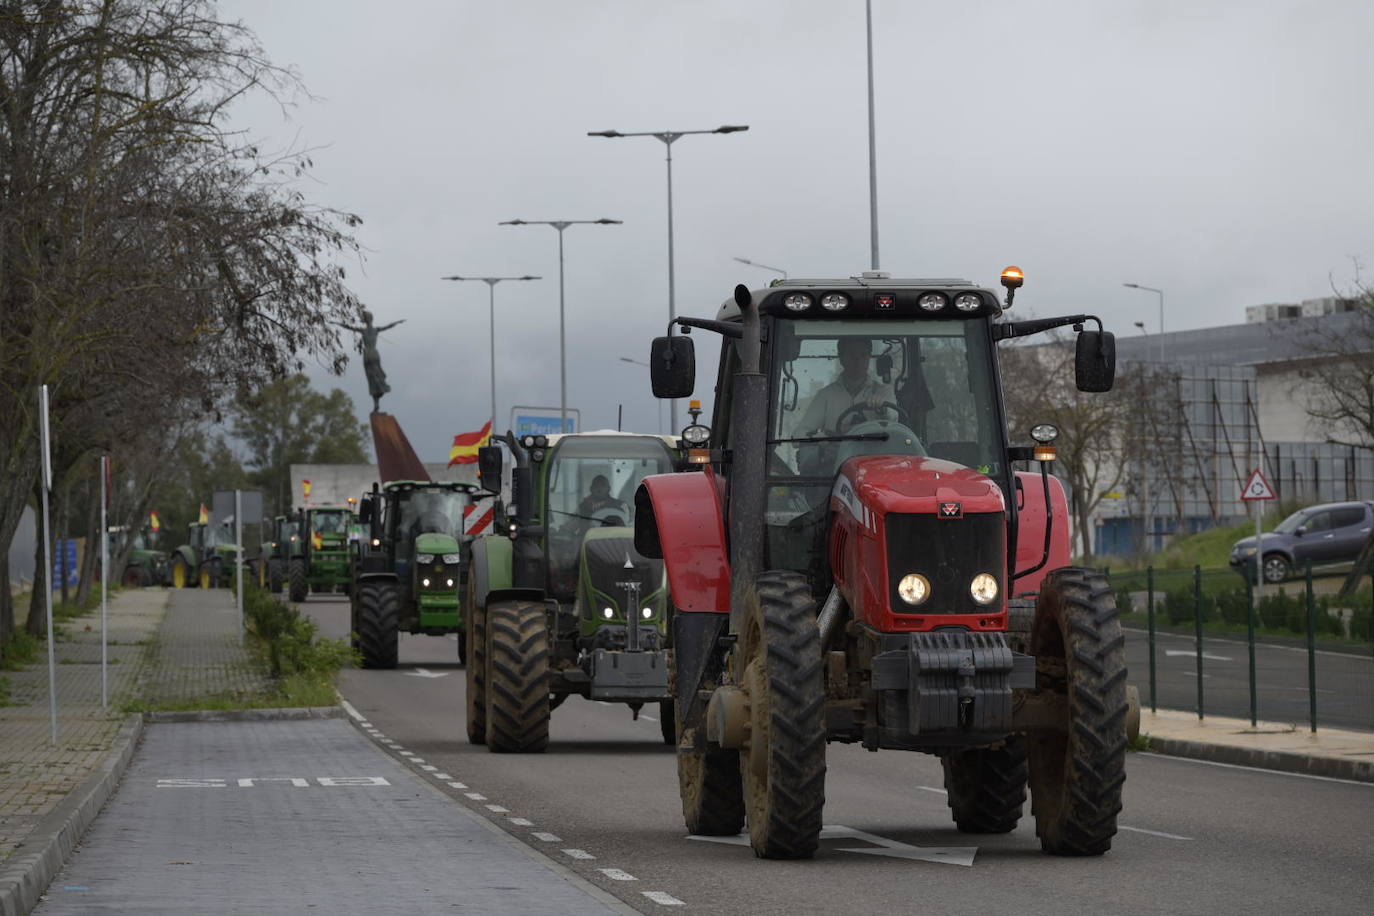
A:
[587,488]
[1293,522]
[333,523]
[429,512]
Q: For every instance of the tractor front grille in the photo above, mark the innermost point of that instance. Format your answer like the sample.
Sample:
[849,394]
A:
[948,552]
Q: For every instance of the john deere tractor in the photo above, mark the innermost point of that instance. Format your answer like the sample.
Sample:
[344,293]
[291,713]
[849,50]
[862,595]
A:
[410,574]
[278,539]
[145,564]
[560,602]
[321,560]
[862,562]
[206,559]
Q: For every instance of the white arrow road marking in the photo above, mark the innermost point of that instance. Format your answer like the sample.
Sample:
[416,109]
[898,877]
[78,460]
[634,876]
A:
[425,672]
[1192,653]
[944,855]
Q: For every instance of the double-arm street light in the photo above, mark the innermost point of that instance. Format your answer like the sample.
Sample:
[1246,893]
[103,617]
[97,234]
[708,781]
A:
[776,270]
[668,138]
[491,307]
[560,225]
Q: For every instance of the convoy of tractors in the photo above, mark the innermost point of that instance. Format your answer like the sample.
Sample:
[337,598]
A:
[854,550]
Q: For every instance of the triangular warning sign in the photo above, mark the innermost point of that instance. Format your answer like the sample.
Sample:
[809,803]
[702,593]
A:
[1257,488]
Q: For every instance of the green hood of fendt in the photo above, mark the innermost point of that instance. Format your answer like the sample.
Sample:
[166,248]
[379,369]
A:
[602,569]
[431,542]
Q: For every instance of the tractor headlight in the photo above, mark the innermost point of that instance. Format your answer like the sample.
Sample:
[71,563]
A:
[425,583]
[968,302]
[424,558]
[932,302]
[376,542]
[696,434]
[453,558]
[983,588]
[834,302]
[607,613]
[797,302]
[647,613]
[450,583]
[914,588]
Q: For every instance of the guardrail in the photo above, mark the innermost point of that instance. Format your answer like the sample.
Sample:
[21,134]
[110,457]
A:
[1208,646]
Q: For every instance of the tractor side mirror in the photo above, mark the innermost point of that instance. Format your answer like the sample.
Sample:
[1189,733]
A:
[672,367]
[365,510]
[489,467]
[1094,362]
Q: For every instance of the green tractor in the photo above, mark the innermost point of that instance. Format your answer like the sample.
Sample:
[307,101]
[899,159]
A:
[320,557]
[145,565]
[561,603]
[184,566]
[410,574]
[278,539]
[217,553]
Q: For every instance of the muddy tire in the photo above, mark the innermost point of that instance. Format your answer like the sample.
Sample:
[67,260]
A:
[299,588]
[517,688]
[1020,621]
[379,617]
[1076,775]
[133,577]
[667,722]
[709,781]
[783,760]
[986,786]
[274,576]
[476,693]
[179,574]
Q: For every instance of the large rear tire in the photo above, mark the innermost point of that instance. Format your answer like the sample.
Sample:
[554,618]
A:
[986,786]
[299,588]
[517,688]
[274,576]
[1076,775]
[379,617]
[476,693]
[783,759]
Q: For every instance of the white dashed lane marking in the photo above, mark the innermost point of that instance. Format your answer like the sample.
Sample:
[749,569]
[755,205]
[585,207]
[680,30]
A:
[457,785]
[616,874]
[578,854]
[663,899]
[1167,836]
[475,796]
[546,837]
[521,821]
[497,809]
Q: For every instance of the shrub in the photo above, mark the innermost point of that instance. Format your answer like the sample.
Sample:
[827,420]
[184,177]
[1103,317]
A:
[291,640]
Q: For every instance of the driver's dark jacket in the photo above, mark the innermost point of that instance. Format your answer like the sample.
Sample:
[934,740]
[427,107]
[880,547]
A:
[823,413]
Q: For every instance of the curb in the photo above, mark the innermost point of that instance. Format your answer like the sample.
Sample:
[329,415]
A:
[1282,761]
[290,713]
[26,875]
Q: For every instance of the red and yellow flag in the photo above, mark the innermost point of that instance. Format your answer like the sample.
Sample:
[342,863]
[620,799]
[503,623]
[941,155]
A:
[204,515]
[306,486]
[154,521]
[316,540]
[465,446]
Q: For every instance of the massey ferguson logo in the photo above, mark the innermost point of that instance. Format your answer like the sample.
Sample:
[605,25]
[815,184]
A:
[951,510]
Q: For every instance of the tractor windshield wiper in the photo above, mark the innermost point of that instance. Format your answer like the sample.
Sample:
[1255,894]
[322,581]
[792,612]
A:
[585,518]
[865,437]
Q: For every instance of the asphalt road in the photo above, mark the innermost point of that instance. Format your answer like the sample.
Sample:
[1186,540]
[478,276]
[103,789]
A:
[1345,681]
[1195,837]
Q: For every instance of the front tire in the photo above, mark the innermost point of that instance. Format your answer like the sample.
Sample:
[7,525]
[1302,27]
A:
[1076,774]
[783,760]
[476,693]
[299,588]
[274,576]
[180,575]
[379,619]
[986,786]
[517,686]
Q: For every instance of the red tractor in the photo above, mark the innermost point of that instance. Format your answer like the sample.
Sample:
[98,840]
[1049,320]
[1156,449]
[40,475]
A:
[860,561]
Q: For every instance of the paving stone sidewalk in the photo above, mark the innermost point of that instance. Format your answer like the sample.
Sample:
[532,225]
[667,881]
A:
[163,647]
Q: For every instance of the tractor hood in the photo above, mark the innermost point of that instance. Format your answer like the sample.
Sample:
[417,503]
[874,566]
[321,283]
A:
[916,485]
[430,542]
[605,553]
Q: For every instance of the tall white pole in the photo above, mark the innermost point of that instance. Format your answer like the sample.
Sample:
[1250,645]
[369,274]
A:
[491,330]
[104,583]
[562,352]
[1259,559]
[46,459]
[872,145]
[238,557]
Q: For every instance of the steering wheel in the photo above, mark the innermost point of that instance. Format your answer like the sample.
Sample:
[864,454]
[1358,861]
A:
[610,516]
[860,409]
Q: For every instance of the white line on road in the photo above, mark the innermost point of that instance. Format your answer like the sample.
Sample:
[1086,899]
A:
[457,785]
[1265,770]
[475,796]
[418,761]
[443,776]
[1167,836]
[407,753]
[578,854]
[1192,653]
[616,874]
[348,708]
[429,767]
[649,718]
[546,837]
[661,898]
[521,821]
[932,789]
[1258,645]
[497,809]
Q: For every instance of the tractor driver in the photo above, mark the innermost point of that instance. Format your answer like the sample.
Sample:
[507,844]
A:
[599,498]
[855,386]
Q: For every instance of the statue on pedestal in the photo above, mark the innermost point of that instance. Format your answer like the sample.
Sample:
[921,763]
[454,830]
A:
[372,360]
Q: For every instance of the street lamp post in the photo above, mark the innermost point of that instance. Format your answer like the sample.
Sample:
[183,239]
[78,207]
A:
[1149,505]
[776,270]
[560,225]
[872,144]
[491,326]
[1160,293]
[640,362]
[668,138]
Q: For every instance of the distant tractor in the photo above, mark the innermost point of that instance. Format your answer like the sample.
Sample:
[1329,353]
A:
[145,565]
[410,575]
[561,604]
[321,558]
[860,562]
[278,538]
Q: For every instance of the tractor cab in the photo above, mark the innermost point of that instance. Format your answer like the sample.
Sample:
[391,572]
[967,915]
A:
[862,562]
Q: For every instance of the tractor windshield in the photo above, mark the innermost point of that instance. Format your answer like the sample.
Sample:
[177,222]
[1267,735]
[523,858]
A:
[592,483]
[331,523]
[425,511]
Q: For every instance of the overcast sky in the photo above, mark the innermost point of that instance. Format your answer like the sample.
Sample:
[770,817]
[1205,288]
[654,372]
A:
[1223,151]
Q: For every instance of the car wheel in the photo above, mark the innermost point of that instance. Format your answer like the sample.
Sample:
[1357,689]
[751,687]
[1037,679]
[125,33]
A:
[1275,568]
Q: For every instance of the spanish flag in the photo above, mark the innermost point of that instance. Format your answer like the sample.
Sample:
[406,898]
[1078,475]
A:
[316,540]
[305,488]
[204,515]
[465,446]
[154,521]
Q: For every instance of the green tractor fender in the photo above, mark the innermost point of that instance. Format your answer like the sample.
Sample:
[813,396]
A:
[493,559]
[188,556]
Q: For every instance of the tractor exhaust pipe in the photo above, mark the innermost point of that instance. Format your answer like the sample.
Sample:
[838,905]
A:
[747,476]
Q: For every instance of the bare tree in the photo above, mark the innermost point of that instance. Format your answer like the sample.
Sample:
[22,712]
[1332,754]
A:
[1338,370]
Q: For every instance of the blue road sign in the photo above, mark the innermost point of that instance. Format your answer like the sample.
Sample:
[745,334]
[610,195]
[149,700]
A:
[534,421]
[65,560]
